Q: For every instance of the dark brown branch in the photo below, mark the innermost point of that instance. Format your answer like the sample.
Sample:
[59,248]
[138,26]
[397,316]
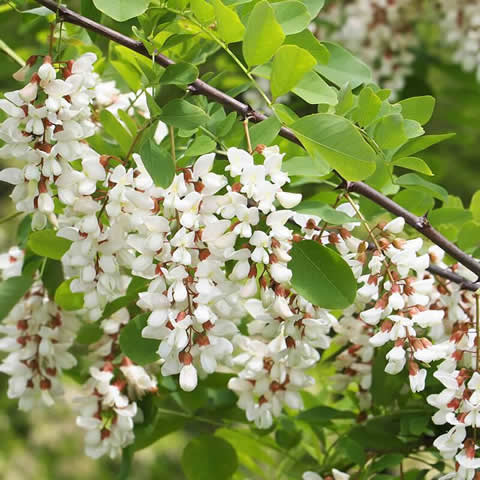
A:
[454,277]
[421,224]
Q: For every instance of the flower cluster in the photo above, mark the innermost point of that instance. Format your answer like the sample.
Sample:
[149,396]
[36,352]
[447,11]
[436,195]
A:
[461,22]
[213,250]
[108,408]
[381,32]
[37,337]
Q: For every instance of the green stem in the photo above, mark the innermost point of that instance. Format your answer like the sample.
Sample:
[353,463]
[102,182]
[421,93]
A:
[6,49]
[9,217]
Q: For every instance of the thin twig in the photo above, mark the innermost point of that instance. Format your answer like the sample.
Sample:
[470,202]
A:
[371,235]
[172,143]
[247,135]
[421,224]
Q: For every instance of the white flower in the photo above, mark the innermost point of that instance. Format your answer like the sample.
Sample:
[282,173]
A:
[188,378]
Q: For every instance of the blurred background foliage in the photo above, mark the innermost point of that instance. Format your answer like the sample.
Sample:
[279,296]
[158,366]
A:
[34,447]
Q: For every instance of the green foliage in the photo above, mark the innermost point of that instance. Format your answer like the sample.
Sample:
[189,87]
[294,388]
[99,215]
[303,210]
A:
[292,15]
[180,74]
[321,275]
[230,28]
[122,10]
[182,114]
[263,36]
[419,109]
[415,182]
[390,132]
[413,163]
[140,350]
[324,211]
[284,77]
[207,457]
[12,290]
[343,67]
[338,143]
[46,244]
[66,299]
[158,163]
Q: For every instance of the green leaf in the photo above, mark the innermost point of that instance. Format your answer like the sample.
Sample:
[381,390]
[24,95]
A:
[121,10]
[182,114]
[180,73]
[52,276]
[292,15]
[417,202]
[343,67]
[413,163]
[324,211]
[263,36]
[390,132]
[368,107]
[116,130]
[345,100]
[284,77]
[152,429]
[475,206]
[421,143]
[414,181]
[128,121]
[387,461]
[208,457]
[67,300]
[203,11]
[285,113]
[229,27]
[305,167]
[336,141]
[12,290]
[449,216]
[140,350]
[46,244]
[323,414]
[418,108]
[309,42]
[158,163]
[314,6]
[469,236]
[314,90]
[321,275]
[89,333]
[264,133]
[353,450]
[202,144]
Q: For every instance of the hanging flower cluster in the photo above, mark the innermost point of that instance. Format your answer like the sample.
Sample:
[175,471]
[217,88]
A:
[383,33]
[461,22]
[215,251]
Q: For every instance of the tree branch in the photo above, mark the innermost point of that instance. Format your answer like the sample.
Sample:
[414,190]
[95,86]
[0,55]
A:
[421,224]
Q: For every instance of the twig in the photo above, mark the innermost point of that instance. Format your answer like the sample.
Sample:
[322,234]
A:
[172,143]
[371,235]
[247,135]
[421,224]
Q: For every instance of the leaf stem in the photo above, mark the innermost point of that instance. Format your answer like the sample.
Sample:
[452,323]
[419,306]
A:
[172,143]
[247,136]
[370,234]
[9,217]
[11,53]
